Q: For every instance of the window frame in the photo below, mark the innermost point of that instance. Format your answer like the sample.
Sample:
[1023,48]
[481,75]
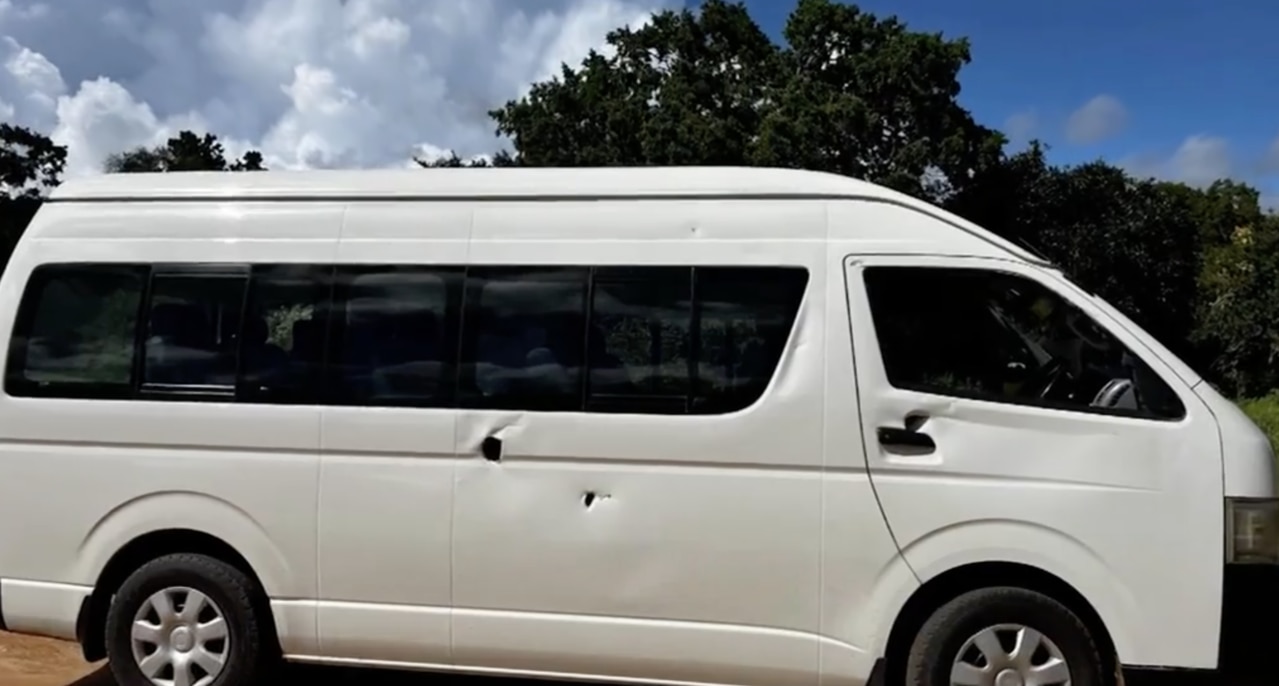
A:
[867,263]
[144,390]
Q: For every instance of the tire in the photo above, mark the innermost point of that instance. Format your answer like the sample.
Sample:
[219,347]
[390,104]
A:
[227,593]
[938,645]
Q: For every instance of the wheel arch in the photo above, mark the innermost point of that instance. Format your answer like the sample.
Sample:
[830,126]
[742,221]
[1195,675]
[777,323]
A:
[954,582]
[122,542]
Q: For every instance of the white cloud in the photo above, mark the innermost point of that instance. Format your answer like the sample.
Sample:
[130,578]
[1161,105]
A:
[1200,160]
[1098,119]
[311,83]
[1020,126]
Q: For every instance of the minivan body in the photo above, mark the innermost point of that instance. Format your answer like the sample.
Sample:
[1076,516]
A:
[659,425]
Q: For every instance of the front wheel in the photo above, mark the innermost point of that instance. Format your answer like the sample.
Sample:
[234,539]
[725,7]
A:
[184,620]
[1004,637]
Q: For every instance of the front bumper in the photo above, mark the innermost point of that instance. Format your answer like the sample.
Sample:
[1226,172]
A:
[1250,623]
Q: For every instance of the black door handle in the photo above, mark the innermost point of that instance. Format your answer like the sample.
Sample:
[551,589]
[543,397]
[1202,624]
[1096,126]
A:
[491,448]
[905,438]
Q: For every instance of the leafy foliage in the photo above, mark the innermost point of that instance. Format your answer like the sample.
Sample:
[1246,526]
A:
[452,161]
[1134,243]
[849,93]
[30,165]
[184,152]
[29,162]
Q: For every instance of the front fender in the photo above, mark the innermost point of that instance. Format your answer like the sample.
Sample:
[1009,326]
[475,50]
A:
[1024,543]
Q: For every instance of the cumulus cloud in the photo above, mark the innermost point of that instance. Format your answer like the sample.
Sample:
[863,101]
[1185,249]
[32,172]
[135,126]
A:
[1098,119]
[1200,160]
[1020,126]
[310,83]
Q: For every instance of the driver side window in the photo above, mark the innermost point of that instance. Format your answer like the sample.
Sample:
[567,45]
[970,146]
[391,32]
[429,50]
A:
[996,336]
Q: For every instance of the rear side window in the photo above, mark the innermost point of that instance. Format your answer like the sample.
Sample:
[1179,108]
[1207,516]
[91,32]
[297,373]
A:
[395,336]
[282,351]
[745,316]
[193,329]
[75,332]
[633,339]
[525,335]
[641,340]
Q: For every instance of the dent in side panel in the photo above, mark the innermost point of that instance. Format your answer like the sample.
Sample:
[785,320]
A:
[690,515]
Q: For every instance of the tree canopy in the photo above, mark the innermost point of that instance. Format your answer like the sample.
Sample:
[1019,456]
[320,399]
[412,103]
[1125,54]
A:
[184,152]
[852,93]
[848,93]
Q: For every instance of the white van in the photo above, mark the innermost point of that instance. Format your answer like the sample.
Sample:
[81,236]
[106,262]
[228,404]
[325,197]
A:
[667,425]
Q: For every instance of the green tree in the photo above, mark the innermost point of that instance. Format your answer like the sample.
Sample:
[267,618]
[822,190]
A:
[30,165]
[1239,309]
[184,152]
[1135,243]
[849,93]
[452,161]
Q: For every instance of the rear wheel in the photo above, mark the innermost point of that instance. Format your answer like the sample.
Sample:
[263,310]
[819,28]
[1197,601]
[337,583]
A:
[184,620]
[1004,637]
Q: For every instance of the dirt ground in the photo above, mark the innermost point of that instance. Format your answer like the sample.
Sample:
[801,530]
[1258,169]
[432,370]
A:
[39,662]
[26,661]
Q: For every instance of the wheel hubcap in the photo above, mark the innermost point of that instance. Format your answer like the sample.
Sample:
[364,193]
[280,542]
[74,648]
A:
[179,638]
[1009,655]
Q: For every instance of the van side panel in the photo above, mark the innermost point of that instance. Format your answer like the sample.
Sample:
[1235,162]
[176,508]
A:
[864,579]
[694,513]
[386,478]
[246,474]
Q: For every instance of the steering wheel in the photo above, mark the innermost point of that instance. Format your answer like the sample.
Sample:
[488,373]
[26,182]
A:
[1045,379]
[1094,338]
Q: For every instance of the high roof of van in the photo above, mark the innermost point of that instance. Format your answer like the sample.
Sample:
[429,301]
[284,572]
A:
[507,182]
[513,183]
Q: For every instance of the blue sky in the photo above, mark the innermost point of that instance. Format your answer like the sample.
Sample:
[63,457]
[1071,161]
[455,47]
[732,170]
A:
[1180,89]
[1189,88]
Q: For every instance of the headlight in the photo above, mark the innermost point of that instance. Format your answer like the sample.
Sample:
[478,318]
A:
[1252,535]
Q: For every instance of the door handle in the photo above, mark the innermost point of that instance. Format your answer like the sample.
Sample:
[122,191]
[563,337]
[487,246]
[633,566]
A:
[891,436]
[491,448]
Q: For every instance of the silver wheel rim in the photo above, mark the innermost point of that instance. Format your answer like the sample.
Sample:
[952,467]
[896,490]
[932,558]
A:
[1009,655]
[180,638]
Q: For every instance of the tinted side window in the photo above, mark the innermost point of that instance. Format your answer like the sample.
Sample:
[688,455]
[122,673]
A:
[193,329]
[1001,337]
[282,354]
[640,340]
[75,332]
[745,316]
[524,338]
[396,336]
